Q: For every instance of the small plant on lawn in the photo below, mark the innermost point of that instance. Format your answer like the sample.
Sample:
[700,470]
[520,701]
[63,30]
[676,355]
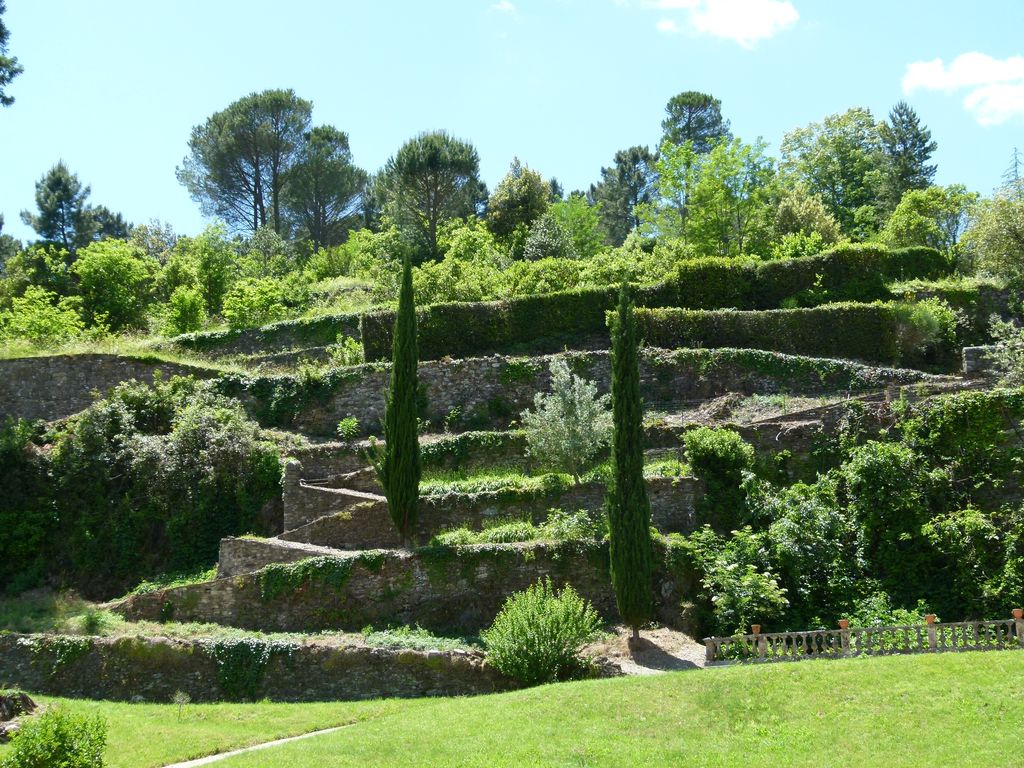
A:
[569,426]
[398,463]
[180,699]
[58,739]
[629,509]
[539,633]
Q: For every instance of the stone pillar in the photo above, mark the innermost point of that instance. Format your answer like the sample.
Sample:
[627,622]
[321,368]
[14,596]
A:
[1018,623]
[289,492]
[932,643]
[709,651]
[844,635]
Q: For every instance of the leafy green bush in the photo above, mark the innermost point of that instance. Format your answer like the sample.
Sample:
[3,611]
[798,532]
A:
[40,317]
[347,351]
[186,311]
[720,458]
[26,515]
[253,302]
[569,426]
[58,739]
[114,280]
[539,633]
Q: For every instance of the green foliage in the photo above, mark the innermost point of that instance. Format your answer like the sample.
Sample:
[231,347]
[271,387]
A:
[538,635]
[282,579]
[582,222]
[41,318]
[398,463]
[253,302]
[935,217]
[348,428]
[114,281]
[242,664]
[415,638]
[186,311]
[994,241]
[720,458]
[64,218]
[550,238]
[347,351]
[570,425]
[58,739]
[519,199]
[629,509]
[1007,356]
[145,481]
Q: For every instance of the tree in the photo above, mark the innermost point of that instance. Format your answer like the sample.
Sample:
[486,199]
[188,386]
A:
[324,191]
[696,117]
[64,219]
[432,178]
[629,510]
[113,279]
[994,241]
[627,184]
[729,209]
[105,223]
[9,247]
[9,67]
[240,157]
[935,217]
[549,238]
[908,147]
[582,222]
[677,171]
[800,212]
[570,425]
[517,202]
[842,161]
[398,463]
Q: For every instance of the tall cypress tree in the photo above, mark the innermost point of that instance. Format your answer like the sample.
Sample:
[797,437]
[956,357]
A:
[398,468]
[629,510]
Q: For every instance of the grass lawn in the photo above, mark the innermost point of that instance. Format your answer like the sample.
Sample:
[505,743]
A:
[963,709]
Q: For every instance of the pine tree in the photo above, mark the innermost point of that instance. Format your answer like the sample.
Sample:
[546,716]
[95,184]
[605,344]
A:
[398,465]
[908,148]
[629,510]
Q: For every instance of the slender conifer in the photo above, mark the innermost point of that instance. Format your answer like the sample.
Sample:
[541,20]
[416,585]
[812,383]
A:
[399,465]
[629,510]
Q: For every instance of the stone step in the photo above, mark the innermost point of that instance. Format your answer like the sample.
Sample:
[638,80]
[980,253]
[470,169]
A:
[248,554]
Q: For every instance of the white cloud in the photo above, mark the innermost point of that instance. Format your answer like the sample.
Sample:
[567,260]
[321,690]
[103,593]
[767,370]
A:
[742,21]
[503,6]
[995,87]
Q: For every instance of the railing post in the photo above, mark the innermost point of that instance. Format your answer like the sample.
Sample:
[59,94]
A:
[844,636]
[709,650]
[1018,623]
[932,644]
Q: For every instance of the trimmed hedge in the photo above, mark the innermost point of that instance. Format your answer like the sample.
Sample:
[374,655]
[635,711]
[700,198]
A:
[549,321]
[871,332]
[287,334]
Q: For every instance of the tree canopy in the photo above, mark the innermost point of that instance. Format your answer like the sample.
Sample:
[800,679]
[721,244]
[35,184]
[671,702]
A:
[696,117]
[9,67]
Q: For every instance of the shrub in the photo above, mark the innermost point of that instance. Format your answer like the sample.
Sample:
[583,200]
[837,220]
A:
[348,428]
[347,351]
[114,279]
[1008,355]
[186,311]
[40,317]
[539,633]
[252,302]
[60,739]
[720,458]
[569,426]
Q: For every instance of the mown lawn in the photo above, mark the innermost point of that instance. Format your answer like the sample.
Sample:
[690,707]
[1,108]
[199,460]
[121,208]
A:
[965,709]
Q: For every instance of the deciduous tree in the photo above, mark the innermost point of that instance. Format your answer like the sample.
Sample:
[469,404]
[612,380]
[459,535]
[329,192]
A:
[520,199]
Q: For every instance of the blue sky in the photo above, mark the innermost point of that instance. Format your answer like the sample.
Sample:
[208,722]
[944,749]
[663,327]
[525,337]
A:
[113,87]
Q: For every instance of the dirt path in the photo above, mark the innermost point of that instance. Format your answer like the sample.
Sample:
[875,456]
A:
[660,650]
[266,745]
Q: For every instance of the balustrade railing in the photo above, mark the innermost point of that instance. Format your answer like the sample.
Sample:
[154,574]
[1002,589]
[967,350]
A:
[931,637]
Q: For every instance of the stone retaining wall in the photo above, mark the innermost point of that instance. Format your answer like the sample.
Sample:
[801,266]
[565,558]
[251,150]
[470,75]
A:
[153,669]
[351,525]
[443,589]
[59,386]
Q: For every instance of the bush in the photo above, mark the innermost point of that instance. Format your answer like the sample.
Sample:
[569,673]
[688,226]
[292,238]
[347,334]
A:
[720,458]
[58,739]
[539,633]
[569,426]
[114,278]
[253,302]
[1008,356]
[40,317]
[186,311]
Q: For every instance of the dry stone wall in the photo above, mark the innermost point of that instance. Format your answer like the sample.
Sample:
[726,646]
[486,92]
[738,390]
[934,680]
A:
[442,589]
[153,669]
[59,386]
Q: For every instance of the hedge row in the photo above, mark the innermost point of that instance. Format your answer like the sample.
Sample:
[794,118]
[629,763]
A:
[876,333]
[287,334]
[849,273]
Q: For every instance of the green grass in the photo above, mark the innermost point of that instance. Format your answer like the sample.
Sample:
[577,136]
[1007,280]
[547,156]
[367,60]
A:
[955,709]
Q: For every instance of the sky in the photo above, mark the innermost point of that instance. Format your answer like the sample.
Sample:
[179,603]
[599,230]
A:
[114,87]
